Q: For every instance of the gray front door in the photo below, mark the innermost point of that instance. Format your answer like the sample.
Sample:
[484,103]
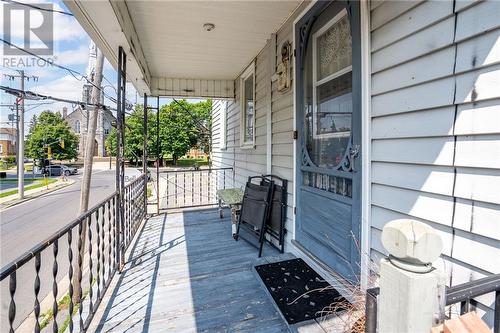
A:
[329,135]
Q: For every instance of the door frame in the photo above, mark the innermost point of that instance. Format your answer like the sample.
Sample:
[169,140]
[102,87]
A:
[365,160]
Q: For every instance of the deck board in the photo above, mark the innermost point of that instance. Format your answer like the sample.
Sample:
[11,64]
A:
[185,273]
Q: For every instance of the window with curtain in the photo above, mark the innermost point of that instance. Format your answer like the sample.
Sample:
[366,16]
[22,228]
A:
[247,106]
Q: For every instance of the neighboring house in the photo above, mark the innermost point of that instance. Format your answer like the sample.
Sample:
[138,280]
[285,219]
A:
[7,141]
[78,122]
[196,153]
[373,110]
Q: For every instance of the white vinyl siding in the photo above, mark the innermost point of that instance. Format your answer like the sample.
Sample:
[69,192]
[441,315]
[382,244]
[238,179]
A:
[223,125]
[436,128]
[250,162]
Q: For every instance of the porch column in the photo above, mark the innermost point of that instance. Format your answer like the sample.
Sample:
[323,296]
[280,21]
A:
[411,289]
[158,156]
[120,165]
[145,154]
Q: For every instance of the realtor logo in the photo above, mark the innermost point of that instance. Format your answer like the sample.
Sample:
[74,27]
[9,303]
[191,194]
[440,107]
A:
[30,27]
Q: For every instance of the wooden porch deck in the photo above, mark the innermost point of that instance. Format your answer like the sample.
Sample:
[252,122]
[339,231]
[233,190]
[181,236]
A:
[185,273]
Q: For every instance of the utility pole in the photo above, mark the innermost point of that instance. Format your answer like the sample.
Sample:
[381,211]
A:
[87,162]
[20,145]
[17,137]
[91,131]
[20,131]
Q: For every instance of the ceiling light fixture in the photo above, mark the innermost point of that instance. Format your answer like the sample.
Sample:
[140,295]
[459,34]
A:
[209,26]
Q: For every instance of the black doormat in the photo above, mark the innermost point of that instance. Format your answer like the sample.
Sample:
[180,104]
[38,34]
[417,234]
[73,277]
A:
[300,293]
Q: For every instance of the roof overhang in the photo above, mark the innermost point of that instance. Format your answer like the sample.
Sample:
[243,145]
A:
[169,51]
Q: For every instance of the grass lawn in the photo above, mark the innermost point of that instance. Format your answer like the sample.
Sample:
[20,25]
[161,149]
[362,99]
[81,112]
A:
[14,180]
[188,162]
[36,184]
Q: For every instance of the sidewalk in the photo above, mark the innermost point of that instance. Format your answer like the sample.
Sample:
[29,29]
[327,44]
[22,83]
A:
[12,200]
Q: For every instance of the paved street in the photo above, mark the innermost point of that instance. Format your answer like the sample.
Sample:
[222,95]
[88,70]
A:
[10,182]
[25,225]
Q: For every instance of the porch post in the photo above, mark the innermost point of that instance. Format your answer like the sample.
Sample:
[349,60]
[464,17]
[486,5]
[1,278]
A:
[411,289]
[120,167]
[158,155]
[145,154]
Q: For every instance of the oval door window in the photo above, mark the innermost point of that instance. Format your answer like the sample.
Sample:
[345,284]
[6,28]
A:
[328,92]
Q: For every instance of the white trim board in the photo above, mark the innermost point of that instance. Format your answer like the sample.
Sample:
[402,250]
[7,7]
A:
[365,141]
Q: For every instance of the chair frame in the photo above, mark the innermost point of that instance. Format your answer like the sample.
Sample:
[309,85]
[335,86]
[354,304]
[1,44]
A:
[260,233]
[280,234]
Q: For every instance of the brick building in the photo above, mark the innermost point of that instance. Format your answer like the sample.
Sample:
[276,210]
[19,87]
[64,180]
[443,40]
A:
[7,141]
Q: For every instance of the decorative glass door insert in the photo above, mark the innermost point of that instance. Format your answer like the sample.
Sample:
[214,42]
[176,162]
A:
[328,124]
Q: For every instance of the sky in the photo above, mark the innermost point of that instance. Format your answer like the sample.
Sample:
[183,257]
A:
[71,49]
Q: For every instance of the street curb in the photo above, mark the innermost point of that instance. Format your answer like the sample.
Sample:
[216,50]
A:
[15,202]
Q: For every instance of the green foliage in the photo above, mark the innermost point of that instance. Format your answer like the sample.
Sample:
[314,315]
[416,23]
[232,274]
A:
[33,122]
[48,129]
[10,160]
[178,130]
[203,110]
[134,135]
[183,126]
[190,162]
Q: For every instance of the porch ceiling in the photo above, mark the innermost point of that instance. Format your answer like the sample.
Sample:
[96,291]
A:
[165,40]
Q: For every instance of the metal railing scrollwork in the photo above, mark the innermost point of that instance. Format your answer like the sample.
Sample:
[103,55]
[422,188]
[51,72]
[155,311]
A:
[61,281]
[193,188]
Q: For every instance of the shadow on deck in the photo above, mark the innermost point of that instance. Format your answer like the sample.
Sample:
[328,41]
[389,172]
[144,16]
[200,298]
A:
[185,273]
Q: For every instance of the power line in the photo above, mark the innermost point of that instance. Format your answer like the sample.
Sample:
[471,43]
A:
[39,97]
[39,8]
[192,115]
[69,70]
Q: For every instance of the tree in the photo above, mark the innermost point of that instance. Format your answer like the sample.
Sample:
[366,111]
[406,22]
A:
[33,122]
[183,126]
[134,135]
[178,129]
[50,129]
[203,112]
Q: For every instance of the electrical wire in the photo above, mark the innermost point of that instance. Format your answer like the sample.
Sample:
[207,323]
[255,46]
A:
[25,105]
[195,118]
[38,8]
[36,106]
[73,72]
[40,97]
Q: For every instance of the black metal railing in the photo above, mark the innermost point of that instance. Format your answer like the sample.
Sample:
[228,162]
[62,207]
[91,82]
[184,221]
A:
[462,294]
[192,188]
[466,292]
[81,259]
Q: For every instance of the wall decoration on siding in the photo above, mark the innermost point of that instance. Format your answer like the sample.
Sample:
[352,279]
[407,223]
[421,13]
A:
[284,71]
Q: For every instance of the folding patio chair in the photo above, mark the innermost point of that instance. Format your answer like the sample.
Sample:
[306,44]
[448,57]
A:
[275,225]
[255,209]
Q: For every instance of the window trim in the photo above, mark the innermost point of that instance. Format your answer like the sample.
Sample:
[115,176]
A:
[316,83]
[223,125]
[249,72]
